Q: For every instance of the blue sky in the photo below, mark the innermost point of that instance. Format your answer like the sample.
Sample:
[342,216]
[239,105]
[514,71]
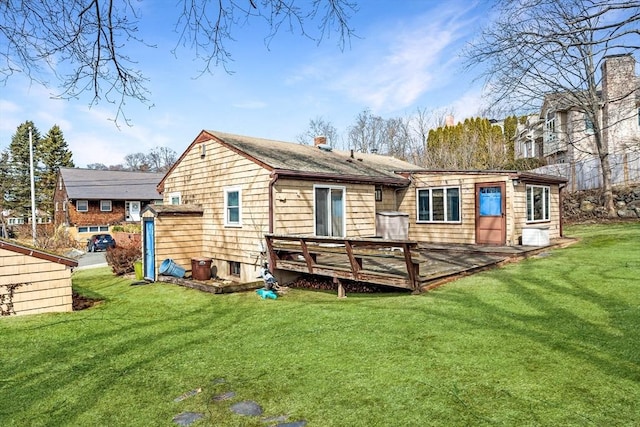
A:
[405,57]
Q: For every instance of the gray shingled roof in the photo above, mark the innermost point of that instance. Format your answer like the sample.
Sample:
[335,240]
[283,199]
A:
[310,159]
[94,184]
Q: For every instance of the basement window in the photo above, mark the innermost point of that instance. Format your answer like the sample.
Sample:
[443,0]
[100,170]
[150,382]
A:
[234,268]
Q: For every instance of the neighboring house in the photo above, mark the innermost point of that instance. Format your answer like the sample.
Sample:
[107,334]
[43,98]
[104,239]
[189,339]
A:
[33,281]
[227,191]
[563,134]
[89,201]
[528,140]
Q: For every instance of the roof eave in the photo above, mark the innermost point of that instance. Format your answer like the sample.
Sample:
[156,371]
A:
[353,179]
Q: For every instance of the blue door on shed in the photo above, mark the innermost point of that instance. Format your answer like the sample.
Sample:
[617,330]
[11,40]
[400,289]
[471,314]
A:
[149,250]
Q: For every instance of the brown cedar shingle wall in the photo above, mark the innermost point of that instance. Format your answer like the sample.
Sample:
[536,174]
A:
[95,216]
[44,286]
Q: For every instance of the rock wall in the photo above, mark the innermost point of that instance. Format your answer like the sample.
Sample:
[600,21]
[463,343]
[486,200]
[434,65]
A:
[589,205]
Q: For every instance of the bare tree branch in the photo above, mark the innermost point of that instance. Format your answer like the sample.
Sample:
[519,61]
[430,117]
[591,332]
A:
[80,44]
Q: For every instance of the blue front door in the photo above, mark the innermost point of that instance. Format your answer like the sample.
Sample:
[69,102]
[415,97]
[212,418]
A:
[149,250]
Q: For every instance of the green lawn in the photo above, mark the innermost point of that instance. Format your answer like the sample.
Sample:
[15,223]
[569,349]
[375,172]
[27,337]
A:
[553,340]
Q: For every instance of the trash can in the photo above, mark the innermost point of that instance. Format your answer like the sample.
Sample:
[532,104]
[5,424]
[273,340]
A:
[137,267]
[201,268]
[170,268]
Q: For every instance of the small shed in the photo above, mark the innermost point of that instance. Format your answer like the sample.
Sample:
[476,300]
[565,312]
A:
[33,281]
[181,229]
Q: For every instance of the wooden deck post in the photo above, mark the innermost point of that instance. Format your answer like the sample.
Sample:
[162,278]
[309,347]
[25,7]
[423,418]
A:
[341,292]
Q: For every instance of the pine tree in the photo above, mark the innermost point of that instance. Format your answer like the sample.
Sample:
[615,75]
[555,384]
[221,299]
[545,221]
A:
[5,185]
[54,154]
[19,192]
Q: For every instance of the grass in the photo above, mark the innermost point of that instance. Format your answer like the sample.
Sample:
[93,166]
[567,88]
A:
[553,340]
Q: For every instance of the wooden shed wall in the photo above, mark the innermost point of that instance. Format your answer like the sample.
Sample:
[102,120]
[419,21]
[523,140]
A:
[178,238]
[45,286]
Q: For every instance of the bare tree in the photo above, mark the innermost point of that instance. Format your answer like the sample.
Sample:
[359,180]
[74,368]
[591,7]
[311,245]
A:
[137,162]
[160,159]
[367,134]
[84,43]
[319,127]
[539,47]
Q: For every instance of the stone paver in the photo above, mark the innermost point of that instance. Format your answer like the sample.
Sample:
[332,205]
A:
[224,396]
[247,407]
[187,418]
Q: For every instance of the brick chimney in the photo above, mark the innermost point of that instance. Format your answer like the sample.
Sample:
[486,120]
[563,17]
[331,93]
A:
[319,140]
[449,121]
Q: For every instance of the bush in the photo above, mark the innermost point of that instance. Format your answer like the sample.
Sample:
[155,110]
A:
[121,259]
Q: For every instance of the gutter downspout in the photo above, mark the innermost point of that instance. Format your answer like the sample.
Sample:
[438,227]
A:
[561,187]
[274,178]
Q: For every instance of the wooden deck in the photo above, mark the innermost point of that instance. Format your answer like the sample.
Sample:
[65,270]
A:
[397,263]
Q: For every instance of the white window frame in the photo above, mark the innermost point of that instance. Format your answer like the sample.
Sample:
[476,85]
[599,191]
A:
[84,202]
[344,210]
[104,204]
[546,203]
[175,196]
[227,220]
[550,126]
[445,191]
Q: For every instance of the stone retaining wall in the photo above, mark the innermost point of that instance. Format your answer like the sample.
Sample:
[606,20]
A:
[589,204]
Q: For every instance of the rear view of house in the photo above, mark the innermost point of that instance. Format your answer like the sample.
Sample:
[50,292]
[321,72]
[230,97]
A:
[226,192]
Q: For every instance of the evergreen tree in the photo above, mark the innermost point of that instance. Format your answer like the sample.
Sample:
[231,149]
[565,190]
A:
[19,191]
[54,153]
[5,185]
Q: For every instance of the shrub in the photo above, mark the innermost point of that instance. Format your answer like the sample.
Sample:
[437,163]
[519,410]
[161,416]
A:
[121,259]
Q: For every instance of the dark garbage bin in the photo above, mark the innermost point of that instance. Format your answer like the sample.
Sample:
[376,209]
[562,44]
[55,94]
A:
[201,268]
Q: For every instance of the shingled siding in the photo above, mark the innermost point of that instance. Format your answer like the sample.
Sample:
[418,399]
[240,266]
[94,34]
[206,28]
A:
[94,216]
[202,180]
[294,209]
[31,285]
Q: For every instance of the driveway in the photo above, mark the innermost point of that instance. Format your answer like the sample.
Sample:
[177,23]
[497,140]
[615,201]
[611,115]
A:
[92,260]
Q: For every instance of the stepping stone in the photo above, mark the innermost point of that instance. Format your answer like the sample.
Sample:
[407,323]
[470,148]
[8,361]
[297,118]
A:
[224,396]
[219,381]
[187,395]
[186,418]
[301,423]
[278,419]
[247,407]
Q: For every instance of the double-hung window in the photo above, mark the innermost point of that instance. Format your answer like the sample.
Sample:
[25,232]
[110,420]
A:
[82,205]
[233,207]
[438,204]
[538,203]
[105,205]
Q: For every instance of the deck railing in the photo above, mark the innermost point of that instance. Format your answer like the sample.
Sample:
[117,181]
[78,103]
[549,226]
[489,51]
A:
[372,260]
